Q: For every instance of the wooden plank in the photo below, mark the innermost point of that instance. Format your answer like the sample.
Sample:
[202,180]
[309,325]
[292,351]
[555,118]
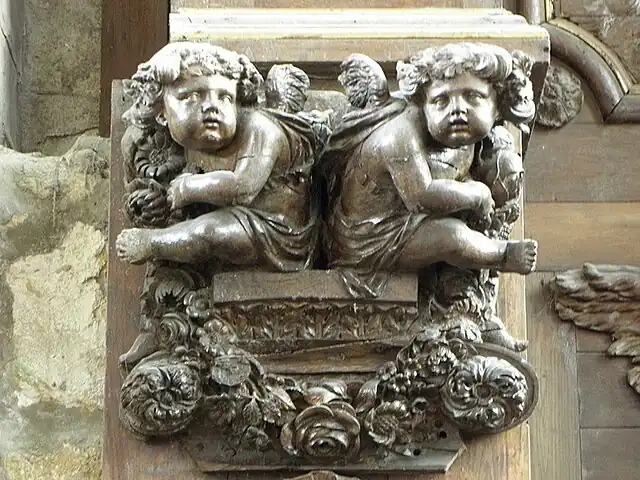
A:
[570,234]
[131,33]
[126,458]
[602,163]
[592,342]
[555,442]
[610,454]
[606,399]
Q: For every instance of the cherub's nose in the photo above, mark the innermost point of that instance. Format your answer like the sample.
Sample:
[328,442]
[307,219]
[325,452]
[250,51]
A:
[209,106]
[458,105]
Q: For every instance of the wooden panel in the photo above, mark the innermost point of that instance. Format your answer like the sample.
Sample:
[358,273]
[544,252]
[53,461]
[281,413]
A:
[570,234]
[606,399]
[131,33]
[610,454]
[592,342]
[584,163]
[555,442]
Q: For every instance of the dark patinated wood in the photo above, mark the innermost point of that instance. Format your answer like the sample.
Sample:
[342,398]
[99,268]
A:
[131,33]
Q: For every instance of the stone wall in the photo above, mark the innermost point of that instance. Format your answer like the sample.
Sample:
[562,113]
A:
[11,36]
[60,88]
[53,213]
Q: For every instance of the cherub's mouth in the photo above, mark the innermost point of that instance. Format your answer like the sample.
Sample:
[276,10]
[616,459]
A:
[211,122]
[458,123]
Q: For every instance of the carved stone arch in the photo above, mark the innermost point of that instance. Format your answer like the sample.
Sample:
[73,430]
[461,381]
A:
[614,87]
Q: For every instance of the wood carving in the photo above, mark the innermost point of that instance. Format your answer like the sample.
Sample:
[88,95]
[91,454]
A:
[604,298]
[422,188]
[562,97]
[323,475]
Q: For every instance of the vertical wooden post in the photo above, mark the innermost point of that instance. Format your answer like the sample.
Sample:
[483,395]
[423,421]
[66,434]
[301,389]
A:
[132,31]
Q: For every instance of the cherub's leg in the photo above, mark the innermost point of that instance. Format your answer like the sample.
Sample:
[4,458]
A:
[214,235]
[451,240]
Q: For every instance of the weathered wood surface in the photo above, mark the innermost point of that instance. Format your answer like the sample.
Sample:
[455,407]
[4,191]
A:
[132,31]
[610,454]
[570,234]
[555,442]
[606,400]
[584,163]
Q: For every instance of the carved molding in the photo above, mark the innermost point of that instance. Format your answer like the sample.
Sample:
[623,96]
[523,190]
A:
[562,97]
[604,298]
[615,89]
[323,475]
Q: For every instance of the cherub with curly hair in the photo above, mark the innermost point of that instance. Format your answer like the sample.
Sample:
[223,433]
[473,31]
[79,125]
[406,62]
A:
[416,175]
[245,166]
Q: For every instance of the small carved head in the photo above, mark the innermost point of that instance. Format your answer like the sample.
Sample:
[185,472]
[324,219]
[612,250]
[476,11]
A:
[466,88]
[194,90]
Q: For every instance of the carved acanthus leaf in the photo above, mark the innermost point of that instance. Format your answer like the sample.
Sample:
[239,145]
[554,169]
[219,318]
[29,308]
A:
[604,298]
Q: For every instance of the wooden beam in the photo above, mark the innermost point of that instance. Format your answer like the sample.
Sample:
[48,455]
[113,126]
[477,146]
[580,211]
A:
[131,33]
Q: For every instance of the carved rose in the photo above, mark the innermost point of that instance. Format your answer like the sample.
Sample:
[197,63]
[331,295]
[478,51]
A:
[384,423]
[159,397]
[158,157]
[484,394]
[323,432]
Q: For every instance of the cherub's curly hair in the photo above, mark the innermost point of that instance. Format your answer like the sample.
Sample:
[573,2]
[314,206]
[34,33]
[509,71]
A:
[177,59]
[508,72]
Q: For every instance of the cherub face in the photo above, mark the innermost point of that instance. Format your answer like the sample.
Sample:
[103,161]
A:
[460,111]
[201,112]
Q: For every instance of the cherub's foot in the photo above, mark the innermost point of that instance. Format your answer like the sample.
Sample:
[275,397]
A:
[520,256]
[504,339]
[133,245]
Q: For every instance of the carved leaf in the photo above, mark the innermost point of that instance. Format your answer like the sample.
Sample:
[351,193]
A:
[604,298]
[230,370]
[251,414]
[366,398]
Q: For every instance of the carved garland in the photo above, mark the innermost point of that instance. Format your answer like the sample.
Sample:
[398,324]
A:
[187,368]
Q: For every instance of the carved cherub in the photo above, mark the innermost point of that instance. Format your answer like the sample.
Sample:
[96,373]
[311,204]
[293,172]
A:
[416,175]
[247,167]
[214,178]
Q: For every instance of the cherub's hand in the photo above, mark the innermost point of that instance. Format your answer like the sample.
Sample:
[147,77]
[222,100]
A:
[178,191]
[484,203]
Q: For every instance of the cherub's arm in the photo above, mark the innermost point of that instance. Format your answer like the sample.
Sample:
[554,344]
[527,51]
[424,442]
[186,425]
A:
[422,193]
[238,186]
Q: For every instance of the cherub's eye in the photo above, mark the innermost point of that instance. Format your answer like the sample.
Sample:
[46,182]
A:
[440,101]
[190,96]
[226,98]
[475,96]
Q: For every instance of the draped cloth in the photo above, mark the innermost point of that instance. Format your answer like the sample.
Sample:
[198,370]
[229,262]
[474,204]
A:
[364,251]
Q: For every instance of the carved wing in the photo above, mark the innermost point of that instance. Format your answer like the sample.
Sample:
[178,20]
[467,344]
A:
[364,81]
[286,88]
[604,298]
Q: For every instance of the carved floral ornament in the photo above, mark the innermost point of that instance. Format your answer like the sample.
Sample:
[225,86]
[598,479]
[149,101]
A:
[219,183]
[604,298]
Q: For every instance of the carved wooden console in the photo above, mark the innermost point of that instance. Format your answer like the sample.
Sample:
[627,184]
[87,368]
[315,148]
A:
[300,309]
